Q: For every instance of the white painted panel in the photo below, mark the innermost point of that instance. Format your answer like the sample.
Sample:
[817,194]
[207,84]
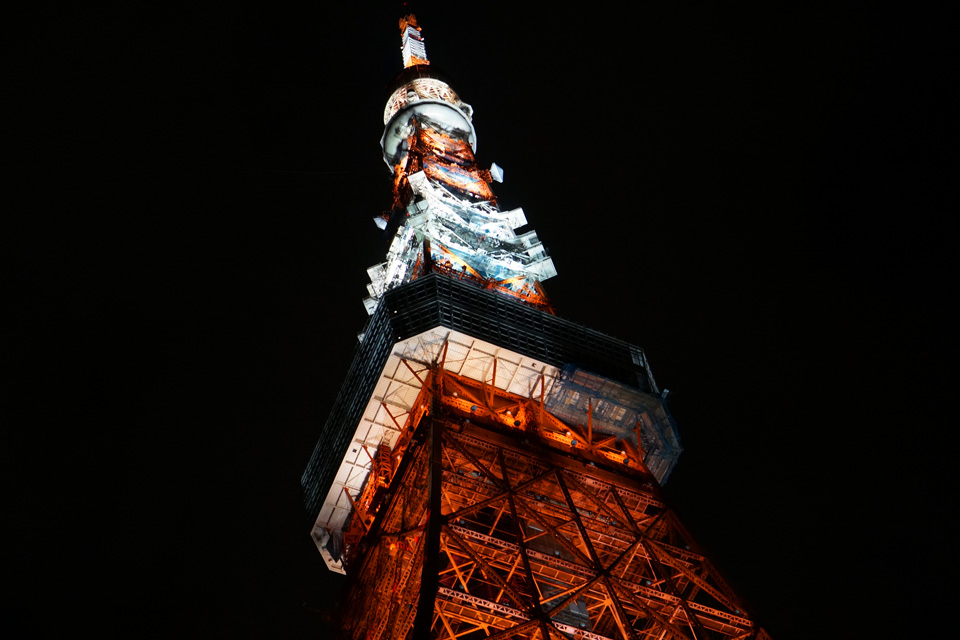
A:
[506,371]
[355,482]
[338,519]
[373,439]
[342,473]
[325,512]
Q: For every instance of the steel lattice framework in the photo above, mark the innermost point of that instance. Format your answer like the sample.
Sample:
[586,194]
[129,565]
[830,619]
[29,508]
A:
[490,532]
[510,490]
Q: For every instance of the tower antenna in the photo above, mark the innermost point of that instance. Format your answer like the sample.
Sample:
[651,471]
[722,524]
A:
[412,45]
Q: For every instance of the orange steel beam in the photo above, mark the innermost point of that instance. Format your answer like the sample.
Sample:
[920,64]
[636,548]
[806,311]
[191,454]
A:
[415,374]
[362,514]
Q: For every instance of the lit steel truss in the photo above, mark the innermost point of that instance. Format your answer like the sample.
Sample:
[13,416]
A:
[488,532]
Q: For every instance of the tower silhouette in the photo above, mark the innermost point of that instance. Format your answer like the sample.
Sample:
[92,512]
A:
[489,469]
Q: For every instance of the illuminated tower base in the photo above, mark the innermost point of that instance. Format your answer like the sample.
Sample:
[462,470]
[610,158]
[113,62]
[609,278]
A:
[492,534]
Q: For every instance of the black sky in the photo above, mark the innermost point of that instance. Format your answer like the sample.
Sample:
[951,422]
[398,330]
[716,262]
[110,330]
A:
[761,197]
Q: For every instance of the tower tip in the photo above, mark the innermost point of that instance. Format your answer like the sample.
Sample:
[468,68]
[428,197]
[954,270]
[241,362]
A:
[414,50]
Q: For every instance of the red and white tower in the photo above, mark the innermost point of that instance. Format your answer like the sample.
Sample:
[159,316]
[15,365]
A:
[489,469]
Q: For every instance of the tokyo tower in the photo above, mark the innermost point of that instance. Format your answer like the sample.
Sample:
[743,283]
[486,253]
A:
[489,469]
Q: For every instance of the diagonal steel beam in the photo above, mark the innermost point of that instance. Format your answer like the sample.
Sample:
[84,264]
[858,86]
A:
[631,523]
[665,624]
[476,462]
[416,375]
[446,624]
[665,558]
[577,521]
[473,508]
[485,568]
[656,563]
[571,597]
[595,499]
[562,539]
[619,615]
[453,563]
[632,550]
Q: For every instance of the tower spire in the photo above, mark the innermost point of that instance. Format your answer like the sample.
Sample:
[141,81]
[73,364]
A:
[444,216]
[412,46]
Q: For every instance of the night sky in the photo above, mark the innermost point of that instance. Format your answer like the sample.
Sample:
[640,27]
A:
[760,197]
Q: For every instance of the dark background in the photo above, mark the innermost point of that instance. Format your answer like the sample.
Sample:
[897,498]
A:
[762,197]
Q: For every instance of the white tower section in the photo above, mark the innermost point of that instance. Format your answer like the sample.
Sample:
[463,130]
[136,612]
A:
[447,217]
